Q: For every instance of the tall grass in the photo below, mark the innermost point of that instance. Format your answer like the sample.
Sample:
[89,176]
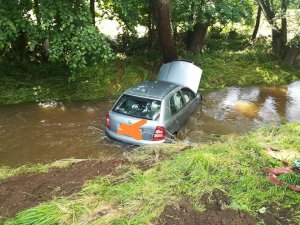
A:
[105,81]
[137,196]
[233,63]
[6,172]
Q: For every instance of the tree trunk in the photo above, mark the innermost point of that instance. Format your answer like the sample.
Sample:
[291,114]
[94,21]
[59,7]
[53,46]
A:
[92,9]
[278,43]
[279,34]
[151,21]
[291,54]
[19,46]
[284,6]
[196,37]
[267,9]
[37,12]
[162,8]
[258,16]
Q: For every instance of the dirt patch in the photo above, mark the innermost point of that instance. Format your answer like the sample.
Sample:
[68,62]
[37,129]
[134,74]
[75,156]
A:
[216,212]
[276,215]
[28,190]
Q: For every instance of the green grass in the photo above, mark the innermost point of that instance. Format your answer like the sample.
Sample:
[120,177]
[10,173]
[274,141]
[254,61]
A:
[292,178]
[233,64]
[136,196]
[105,81]
[241,68]
[6,172]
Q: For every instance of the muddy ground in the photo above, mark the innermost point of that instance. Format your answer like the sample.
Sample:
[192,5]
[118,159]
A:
[28,190]
[218,212]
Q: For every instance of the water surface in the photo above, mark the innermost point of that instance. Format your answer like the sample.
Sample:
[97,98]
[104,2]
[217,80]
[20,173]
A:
[48,131]
[240,110]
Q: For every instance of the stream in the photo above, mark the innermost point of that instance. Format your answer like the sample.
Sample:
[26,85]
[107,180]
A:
[50,130]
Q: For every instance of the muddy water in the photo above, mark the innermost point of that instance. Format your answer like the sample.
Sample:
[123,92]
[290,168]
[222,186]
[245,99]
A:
[239,110]
[47,131]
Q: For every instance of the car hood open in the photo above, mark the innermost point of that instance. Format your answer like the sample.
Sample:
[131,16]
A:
[181,72]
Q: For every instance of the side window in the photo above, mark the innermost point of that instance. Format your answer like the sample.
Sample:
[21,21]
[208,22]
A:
[188,95]
[176,103]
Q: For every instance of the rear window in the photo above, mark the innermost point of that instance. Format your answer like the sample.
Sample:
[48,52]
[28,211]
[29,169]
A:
[138,107]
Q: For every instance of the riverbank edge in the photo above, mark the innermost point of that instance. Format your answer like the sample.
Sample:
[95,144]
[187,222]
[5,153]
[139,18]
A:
[139,193]
[220,69]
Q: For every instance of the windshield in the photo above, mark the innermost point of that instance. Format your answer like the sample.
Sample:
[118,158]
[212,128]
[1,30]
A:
[138,107]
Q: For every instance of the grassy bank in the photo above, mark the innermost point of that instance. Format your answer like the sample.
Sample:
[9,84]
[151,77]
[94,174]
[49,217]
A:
[139,193]
[96,82]
[252,65]
[6,172]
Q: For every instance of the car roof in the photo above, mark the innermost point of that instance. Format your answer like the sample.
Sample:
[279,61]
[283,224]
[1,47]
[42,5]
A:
[152,89]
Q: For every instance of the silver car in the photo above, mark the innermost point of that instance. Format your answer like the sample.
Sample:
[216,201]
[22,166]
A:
[154,111]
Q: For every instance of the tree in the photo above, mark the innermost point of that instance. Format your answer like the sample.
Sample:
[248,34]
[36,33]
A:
[196,35]
[129,14]
[162,9]
[279,30]
[257,22]
[276,15]
[65,24]
[196,16]
[72,35]
[92,10]
[292,51]
[15,27]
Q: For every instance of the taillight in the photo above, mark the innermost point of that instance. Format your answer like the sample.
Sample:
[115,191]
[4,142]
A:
[107,121]
[159,134]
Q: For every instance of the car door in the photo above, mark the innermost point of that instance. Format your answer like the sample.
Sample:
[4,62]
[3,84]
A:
[190,99]
[177,106]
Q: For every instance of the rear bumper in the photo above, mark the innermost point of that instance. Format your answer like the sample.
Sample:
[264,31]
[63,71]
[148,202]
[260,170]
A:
[130,140]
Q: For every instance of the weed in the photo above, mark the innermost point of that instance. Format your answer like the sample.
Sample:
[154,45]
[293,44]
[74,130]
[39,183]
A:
[137,196]
[234,64]
[6,172]
[292,178]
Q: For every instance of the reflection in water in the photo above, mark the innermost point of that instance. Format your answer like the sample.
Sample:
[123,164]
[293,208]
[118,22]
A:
[293,104]
[238,110]
[31,133]
[248,109]
[268,112]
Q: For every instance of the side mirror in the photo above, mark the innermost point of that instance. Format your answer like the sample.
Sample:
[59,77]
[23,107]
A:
[200,96]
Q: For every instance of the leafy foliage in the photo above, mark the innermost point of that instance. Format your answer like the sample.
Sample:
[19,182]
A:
[209,12]
[226,63]
[129,13]
[55,30]
[15,20]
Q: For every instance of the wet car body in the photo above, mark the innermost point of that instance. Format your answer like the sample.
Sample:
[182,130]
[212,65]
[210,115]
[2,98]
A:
[166,104]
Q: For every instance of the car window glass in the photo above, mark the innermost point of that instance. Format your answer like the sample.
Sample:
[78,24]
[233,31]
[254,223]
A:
[138,107]
[188,95]
[176,103]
